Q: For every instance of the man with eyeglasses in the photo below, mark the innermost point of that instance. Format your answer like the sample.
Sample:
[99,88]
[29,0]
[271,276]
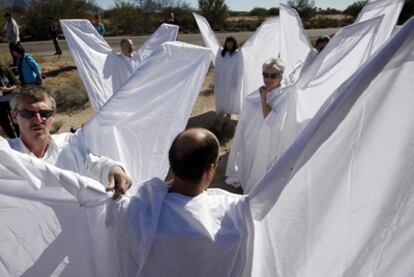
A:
[255,144]
[33,109]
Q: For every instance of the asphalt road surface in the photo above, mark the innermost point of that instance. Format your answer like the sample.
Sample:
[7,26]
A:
[46,49]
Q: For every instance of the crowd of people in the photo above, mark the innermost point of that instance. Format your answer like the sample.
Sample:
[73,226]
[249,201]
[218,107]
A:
[174,226]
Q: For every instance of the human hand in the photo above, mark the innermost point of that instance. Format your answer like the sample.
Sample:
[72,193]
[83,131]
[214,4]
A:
[119,181]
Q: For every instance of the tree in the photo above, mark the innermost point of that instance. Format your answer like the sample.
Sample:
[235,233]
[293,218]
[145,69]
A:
[215,11]
[258,12]
[305,8]
[355,8]
[273,11]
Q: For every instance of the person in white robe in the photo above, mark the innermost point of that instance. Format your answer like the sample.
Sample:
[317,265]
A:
[227,78]
[256,138]
[33,110]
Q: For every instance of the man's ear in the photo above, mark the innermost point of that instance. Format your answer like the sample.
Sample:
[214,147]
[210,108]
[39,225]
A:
[211,170]
[14,116]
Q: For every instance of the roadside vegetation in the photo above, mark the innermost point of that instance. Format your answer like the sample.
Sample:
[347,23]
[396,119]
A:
[138,17]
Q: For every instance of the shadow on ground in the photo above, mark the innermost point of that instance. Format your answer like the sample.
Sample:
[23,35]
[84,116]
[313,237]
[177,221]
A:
[223,127]
[56,72]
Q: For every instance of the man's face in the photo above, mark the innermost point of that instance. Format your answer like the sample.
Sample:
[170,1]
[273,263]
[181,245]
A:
[8,18]
[35,119]
[127,47]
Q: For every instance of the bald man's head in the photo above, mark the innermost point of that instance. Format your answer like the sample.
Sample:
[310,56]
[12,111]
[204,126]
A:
[192,152]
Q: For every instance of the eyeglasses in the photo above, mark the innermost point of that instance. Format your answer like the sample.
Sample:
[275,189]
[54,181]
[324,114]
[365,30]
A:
[30,114]
[270,75]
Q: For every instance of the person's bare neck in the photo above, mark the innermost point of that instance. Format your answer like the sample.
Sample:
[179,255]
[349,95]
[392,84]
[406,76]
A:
[37,147]
[187,188]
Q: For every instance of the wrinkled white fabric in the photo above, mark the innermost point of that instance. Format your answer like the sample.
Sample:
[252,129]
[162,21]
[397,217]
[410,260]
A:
[282,37]
[227,83]
[43,224]
[102,70]
[165,229]
[346,207]
[390,10]
[82,162]
[256,141]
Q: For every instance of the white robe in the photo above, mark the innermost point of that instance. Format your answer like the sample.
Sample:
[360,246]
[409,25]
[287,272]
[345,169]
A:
[43,230]
[103,71]
[227,83]
[256,141]
[346,207]
[206,235]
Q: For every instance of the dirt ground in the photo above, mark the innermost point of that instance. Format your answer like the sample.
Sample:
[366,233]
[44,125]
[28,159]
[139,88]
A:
[63,77]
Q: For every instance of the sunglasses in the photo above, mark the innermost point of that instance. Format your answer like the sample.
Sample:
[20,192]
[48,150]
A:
[270,75]
[30,114]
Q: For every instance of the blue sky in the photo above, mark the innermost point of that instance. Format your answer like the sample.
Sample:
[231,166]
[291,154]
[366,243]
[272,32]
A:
[247,5]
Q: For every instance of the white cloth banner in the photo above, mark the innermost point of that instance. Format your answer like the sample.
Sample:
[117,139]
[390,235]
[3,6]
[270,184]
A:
[102,70]
[282,37]
[346,207]
[43,230]
[390,10]
[347,202]
[259,142]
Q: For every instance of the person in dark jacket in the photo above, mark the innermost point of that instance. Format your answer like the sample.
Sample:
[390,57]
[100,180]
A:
[8,83]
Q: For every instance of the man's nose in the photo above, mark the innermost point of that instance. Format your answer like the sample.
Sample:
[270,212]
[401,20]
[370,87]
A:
[37,117]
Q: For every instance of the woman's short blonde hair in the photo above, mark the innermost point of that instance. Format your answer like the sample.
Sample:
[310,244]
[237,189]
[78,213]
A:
[276,63]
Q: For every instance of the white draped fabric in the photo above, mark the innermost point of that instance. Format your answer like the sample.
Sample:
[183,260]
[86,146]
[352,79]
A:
[44,232]
[269,138]
[102,70]
[256,141]
[346,207]
[227,83]
[390,10]
[282,37]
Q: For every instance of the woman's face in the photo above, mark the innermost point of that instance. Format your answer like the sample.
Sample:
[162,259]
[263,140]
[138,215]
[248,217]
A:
[272,78]
[229,44]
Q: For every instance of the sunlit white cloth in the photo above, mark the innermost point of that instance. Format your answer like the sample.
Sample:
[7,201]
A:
[44,231]
[282,37]
[258,143]
[227,83]
[102,70]
[337,203]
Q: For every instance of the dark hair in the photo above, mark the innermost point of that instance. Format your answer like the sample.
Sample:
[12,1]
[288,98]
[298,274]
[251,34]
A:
[322,39]
[7,14]
[189,158]
[17,47]
[231,51]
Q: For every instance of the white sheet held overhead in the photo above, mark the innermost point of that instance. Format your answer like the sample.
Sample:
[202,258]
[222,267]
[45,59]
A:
[140,121]
[346,209]
[208,35]
[294,42]
[102,70]
[344,54]
[43,230]
[390,9]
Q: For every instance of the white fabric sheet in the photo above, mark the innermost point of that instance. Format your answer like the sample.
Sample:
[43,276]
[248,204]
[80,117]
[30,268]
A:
[282,37]
[102,70]
[346,207]
[390,10]
[44,225]
[256,141]
[227,83]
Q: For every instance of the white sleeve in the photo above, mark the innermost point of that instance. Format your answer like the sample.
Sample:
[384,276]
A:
[99,167]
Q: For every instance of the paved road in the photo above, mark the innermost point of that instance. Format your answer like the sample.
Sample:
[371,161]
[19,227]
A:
[45,49]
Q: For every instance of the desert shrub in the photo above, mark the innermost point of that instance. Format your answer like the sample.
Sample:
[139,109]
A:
[71,96]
